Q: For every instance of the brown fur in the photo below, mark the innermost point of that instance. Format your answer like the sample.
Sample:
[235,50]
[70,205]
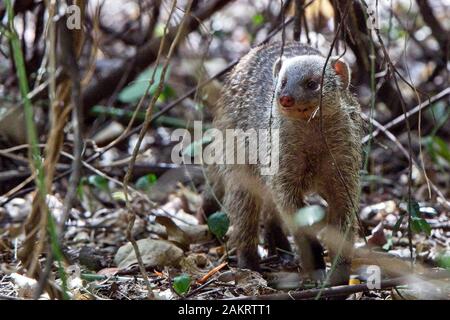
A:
[306,165]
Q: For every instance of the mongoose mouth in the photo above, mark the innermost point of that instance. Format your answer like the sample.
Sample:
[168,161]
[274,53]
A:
[298,111]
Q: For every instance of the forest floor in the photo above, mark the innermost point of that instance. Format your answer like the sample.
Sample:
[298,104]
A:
[184,259]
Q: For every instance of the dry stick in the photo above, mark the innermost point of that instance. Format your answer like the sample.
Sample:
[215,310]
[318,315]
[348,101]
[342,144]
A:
[410,113]
[445,226]
[11,156]
[18,187]
[147,122]
[394,139]
[201,287]
[342,290]
[13,174]
[326,292]
[90,72]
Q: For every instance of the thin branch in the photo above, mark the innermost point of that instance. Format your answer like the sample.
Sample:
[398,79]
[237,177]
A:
[346,289]
[422,106]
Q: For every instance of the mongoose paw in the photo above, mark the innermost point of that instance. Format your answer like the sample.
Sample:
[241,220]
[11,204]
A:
[338,279]
[340,275]
[249,260]
[314,277]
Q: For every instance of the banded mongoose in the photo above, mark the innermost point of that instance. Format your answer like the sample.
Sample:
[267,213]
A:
[266,90]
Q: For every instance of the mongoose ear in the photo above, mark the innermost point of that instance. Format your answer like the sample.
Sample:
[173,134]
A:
[342,69]
[277,66]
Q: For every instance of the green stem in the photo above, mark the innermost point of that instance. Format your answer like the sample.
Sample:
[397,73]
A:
[34,152]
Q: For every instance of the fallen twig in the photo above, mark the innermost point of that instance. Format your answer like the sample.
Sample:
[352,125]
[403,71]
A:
[213,271]
[344,290]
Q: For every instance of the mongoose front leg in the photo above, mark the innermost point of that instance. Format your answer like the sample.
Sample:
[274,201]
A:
[309,249]
[274,235]
[341,229]
[310,253]
[243,208]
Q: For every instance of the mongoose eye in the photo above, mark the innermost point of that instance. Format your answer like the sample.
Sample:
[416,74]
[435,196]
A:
[312,84]
[283,82]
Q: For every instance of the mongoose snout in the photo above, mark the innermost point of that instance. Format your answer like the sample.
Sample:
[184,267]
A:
[287,101]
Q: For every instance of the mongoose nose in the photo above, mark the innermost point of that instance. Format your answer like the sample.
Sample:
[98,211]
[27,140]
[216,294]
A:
[287,101]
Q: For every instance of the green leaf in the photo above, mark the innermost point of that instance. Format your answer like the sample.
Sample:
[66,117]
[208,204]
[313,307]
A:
[218,224]
[257,20]
[418,224]
[159,30]
[146,182]
[80,190]
[437,148]
[309,216]
[137,89]
[181,284]
[414,209]
[441,148]
[438,111]
[99,182]
[425,226]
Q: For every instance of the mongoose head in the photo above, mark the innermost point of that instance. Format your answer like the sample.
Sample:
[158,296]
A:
[298,80]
